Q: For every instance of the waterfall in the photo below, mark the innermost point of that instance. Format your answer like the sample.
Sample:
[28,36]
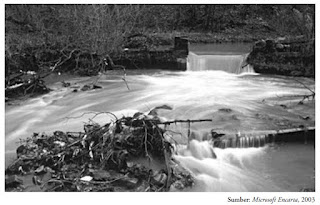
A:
[233,63]
[245,142]
[223,170]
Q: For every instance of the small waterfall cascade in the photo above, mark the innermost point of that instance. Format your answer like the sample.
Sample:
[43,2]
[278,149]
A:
[222,170]
[285,136]
[231,63]
[245,141]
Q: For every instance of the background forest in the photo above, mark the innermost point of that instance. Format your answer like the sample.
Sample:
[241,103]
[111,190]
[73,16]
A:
[38,35]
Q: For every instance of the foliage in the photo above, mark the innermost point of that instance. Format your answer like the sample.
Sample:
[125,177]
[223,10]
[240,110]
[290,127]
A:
[47,33]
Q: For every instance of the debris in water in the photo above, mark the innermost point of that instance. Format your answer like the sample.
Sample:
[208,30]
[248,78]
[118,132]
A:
[102,158]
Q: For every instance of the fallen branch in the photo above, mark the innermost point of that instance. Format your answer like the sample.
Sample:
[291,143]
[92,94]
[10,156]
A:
[304,85]
[108,63]
[59,62]
[183,121]
[95,115]
[304,97]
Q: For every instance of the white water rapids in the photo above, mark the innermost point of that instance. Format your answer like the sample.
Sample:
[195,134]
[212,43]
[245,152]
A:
[253,102]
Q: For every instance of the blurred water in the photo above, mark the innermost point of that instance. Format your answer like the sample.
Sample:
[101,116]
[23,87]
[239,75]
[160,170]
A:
[235,103]
[280,168]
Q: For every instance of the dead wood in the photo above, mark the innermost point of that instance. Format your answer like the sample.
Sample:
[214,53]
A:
[72,157]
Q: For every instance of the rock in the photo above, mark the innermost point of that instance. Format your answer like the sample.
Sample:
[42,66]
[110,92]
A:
[90,87]
[304,118]
[86,87]
[227,110]
[66,84]
[283,106]
[96,86]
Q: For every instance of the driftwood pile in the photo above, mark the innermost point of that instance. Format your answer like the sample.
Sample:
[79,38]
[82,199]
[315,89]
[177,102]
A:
[23,83]
[102,158]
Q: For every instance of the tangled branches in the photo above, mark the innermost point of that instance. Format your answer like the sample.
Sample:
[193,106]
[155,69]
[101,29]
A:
[102,158]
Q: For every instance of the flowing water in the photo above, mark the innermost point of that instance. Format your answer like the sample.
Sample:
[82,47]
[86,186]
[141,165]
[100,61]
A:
[237,104]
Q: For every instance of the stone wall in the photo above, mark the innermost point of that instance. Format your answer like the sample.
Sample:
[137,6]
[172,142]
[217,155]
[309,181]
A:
[169,57]
[282,56]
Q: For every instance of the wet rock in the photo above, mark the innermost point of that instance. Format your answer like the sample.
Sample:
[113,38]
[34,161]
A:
[86,87]
[66,84]
[227,110]
[283,106]
[96,86]
[90,87]
[304,118]
[234,117]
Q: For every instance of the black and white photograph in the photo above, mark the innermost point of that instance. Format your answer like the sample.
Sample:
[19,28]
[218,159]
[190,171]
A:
[161,98]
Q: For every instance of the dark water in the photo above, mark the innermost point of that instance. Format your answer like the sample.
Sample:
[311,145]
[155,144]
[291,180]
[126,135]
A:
[253,103]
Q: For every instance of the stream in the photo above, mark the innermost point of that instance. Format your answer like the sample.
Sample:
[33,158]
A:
[236,102]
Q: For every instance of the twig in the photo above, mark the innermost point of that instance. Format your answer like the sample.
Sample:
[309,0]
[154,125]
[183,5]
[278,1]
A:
[188,130]
[166,158]
[113,66]
[124,79]
[106,182]
[183,121]
[305,86]
[145,141]
[96,114]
